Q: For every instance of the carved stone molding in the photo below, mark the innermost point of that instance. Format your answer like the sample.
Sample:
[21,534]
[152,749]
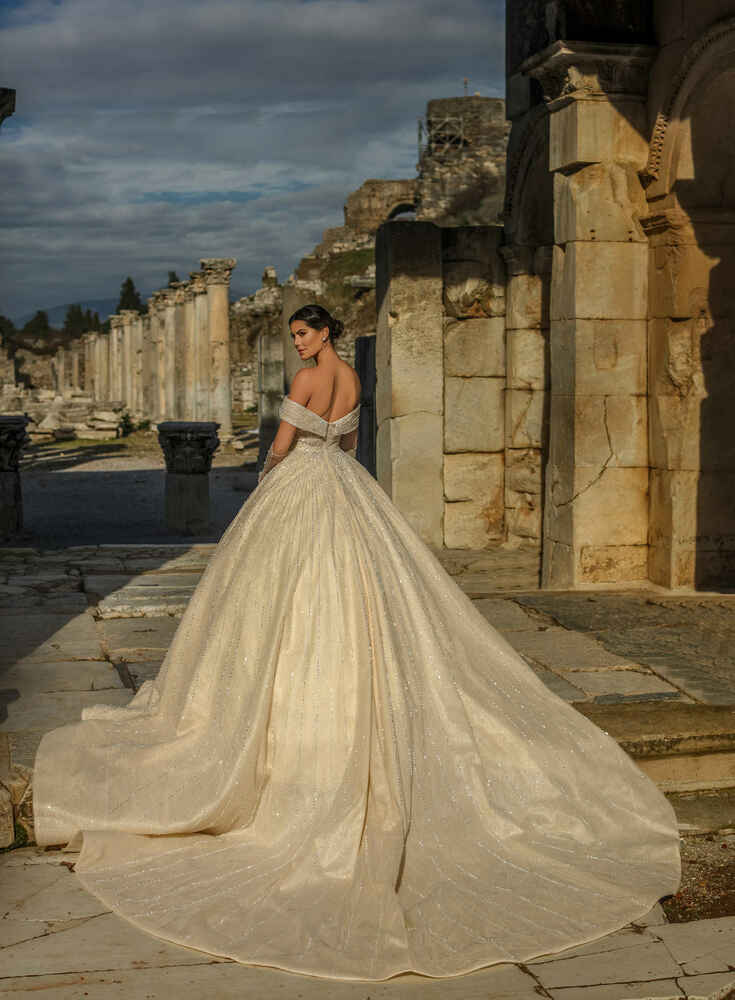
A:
[717,41]
[218,270]
[115,322]
[528,140]
[188,446]
[577,70]
[198,282]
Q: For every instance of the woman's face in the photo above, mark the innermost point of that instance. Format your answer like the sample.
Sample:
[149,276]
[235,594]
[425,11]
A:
[306,339]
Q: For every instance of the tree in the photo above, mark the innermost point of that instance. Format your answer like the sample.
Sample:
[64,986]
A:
[7,331]
[172,278]
[74,321]
[130,297]
[38,326]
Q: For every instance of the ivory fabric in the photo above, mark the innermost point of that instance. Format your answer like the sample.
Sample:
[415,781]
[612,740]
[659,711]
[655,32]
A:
[342,769]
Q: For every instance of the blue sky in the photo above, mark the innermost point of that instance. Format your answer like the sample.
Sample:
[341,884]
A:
[150,133]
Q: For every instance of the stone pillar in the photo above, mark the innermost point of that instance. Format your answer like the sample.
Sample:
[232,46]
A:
[128,317]
[217,272]
[527,389]
[178,294]
[158,355]
[188,447]
[201,369]
[410,373]
[75,382]
[59,371]
[147,369]
[90,364]
[116,359]
[12,439]
[168,340]
[189,355]
[596,489]
[102,367]
[270,388]
[137,335]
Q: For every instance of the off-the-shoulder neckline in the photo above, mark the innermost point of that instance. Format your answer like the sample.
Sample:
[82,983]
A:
[319,416]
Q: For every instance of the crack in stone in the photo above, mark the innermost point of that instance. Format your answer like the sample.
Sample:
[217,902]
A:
[598,477]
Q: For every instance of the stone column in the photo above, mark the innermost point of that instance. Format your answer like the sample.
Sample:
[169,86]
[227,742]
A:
[596,489]
[158,355]
[270,388]
[188,447]
[217,272]
[168,339]
[90,357]
[102,367]
[75,383]
[201,371]
[147,370]
[116,359]
[59,371]
[137,337]
[189,352]
[128,317]
[178,294]
[410,373]
[12,439]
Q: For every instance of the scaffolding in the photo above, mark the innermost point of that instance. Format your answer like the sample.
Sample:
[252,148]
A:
[438,136]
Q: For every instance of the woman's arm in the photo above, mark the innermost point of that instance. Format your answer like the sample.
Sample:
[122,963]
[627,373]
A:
[300,392]
[348,442]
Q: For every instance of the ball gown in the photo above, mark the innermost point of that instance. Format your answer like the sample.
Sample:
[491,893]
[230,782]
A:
[342,769]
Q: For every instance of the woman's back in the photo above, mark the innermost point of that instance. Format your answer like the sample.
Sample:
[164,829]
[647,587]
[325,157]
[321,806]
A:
[335,392]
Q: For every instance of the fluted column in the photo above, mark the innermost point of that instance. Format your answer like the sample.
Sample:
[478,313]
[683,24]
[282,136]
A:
[126,333]
[217,272]
[178,292]
[147,367]
[137,334]
[158,339]
[90,363]
[102,367]
[59,371]
[189,355]
[201,367]
[75,379]
[168,302]
[116,385]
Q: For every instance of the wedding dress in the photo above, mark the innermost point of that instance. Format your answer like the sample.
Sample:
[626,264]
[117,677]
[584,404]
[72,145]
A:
[342,769]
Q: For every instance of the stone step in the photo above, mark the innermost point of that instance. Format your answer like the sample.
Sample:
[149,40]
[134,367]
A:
[684,748]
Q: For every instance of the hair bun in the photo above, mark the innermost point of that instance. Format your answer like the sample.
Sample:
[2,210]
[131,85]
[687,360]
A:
[338,328]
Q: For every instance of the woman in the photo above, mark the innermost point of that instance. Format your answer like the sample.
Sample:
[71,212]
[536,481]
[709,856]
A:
[342,769]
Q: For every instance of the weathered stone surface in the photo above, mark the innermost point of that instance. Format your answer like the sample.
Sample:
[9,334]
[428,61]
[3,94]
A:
[611,508]
[524,416]
[474,416]
[44,638]
[47,711]
[611,431]
[410,470]
[506,616]
[527,307]
[7,825]
[619,682]
[132,640]
[474,484]
[28,679]
[586,132]
[528,359]
[523,514]
[559,649]
[599,357]
[473,271]
[607,281]
[472,524]
[610,563]
[648,960]
[475,347]
[600,202]
[523,470]
[701,947]
[472,476]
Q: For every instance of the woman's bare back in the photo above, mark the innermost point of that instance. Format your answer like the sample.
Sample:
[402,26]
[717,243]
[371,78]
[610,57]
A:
[335,392]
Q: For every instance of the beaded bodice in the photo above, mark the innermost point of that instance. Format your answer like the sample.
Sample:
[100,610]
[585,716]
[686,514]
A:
[313,430]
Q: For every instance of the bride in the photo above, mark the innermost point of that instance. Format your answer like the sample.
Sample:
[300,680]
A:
[342,769]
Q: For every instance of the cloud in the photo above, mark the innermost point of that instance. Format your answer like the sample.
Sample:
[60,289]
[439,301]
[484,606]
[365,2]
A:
[149,134]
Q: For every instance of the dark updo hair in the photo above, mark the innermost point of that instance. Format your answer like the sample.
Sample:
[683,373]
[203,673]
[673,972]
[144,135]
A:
[317,318]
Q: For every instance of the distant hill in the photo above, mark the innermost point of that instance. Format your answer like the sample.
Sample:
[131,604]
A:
[105,307]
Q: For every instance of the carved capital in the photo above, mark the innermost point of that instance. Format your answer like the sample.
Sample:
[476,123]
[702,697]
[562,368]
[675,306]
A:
[13,438]
[116,323]
[188,446]
[570,71]
[218,270]
[198,282]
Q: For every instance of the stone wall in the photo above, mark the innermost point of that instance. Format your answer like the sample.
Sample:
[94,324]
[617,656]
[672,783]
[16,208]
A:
[378,200]
[461,166]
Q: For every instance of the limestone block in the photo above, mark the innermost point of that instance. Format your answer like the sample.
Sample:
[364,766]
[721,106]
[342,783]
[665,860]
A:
[528,359]
[523,514]
[601,202]
[688,280]
[611,508]
[7,825]
[612,563]
[523,470]
[524,418]
[527,304]
[557,566]
[675,432]
[600,281]
[474,414]
[584,132]
[611,431]
[473,271]
[416,472]
[410,335]
[469,476]
[599,357]
[673,517]
[475,347]
[675,365]
[472,524]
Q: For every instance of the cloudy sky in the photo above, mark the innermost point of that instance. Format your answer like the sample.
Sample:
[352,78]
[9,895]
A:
[150,133]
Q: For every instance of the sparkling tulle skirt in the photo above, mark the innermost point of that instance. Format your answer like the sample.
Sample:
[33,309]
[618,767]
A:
[343,770]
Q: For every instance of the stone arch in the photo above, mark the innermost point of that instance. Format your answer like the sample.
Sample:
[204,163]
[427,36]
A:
[691,228]
[707,58]
[529,198]
[399,208]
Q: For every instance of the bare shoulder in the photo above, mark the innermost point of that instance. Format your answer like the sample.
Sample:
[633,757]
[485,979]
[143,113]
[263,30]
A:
[302,385]
[355,380]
